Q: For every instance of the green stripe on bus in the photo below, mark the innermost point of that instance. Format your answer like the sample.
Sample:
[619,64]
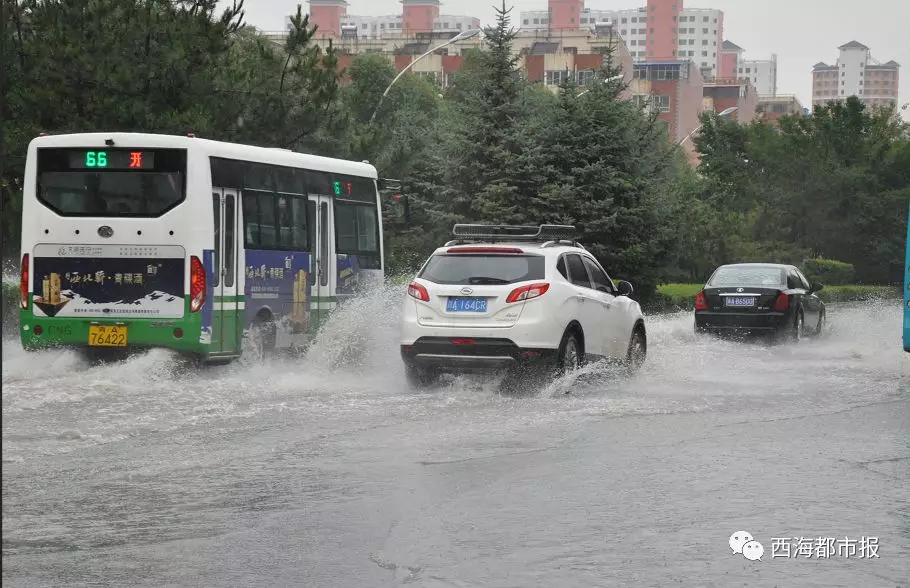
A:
[243,298]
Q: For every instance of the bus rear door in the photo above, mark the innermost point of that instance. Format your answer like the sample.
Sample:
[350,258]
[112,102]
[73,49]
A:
[227,323]
[323,264]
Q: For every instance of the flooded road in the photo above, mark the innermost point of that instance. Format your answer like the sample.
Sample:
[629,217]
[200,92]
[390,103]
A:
[313,473]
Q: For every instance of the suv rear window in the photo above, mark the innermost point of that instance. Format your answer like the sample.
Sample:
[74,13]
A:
[744,275]
[464,269]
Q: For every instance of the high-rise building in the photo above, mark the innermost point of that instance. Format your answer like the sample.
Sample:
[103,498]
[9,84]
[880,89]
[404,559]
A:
[327,16]
[856,73]
[416,17]
[660,30]
[762,73]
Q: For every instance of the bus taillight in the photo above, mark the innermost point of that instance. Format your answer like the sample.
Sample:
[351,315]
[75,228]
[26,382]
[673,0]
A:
[23,282]
[197,284]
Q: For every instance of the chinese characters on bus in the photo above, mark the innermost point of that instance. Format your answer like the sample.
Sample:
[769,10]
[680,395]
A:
[265,272]
[102,277]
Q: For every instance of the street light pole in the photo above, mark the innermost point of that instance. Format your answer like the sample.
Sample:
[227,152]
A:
[459,37]
[723,114]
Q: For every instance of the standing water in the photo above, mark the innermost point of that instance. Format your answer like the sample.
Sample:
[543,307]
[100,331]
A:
[325,470]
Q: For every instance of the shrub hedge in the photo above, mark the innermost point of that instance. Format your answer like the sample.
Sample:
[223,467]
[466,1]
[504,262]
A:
[828,271]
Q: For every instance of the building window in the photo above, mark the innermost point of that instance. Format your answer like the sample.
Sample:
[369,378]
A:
[585,77]
[555,77]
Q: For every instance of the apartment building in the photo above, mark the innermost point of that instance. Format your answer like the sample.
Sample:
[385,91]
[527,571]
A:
[546,58]
[771,108]
[761,73]
[660,30]
[417,16]
[856,73]
[675,90]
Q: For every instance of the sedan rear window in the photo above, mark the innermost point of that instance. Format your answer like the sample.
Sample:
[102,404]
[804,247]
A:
[744,275]
[464,269]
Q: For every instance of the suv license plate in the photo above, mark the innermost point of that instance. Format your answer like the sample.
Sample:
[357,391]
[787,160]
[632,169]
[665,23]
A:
[465,304]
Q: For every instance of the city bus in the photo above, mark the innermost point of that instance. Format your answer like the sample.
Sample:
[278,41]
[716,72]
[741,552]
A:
[133,241]
[907,287]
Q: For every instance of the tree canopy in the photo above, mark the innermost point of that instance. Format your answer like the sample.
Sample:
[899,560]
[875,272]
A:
[491,147]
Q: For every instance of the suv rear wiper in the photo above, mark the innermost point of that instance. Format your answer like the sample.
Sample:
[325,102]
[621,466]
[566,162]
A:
[485,280]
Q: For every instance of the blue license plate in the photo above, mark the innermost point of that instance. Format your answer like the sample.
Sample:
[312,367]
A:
[740,301]
[465,304]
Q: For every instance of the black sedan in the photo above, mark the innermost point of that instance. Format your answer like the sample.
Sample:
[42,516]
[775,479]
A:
[760,298]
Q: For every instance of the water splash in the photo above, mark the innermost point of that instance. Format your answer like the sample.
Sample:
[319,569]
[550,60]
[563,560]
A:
[353,369]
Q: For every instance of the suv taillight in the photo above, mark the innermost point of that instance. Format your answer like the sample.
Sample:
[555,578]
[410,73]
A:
[197,284]
[417,291]
[23,282]
[528,292]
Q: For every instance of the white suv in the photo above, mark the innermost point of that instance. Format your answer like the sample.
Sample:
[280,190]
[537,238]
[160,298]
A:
[519,298]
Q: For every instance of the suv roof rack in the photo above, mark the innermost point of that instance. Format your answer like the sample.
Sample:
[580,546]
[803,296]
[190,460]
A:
[547,234]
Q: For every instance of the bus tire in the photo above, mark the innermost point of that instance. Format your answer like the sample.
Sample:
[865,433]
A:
[264,331]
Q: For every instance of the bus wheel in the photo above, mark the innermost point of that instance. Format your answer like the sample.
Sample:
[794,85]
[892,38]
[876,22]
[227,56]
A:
[263,335]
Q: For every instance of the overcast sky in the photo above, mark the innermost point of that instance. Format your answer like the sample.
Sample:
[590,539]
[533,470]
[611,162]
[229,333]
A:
[800,32]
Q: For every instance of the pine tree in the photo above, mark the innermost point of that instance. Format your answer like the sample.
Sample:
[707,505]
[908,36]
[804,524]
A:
[604,167]
[485,173]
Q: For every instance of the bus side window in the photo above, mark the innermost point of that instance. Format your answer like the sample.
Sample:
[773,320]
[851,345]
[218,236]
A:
[285,223]
[301,222]
[250,220]
[230,221]
[268,220]
[216,262]
[311,232]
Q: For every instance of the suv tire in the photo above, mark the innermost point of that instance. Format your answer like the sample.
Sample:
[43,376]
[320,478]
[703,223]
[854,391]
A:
[419,377]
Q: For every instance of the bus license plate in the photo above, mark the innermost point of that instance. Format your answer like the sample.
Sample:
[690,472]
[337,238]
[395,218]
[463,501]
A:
[107,336]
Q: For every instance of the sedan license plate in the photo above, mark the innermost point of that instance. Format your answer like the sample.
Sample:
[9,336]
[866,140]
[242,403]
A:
[465,304]
[740,301]
[107,336]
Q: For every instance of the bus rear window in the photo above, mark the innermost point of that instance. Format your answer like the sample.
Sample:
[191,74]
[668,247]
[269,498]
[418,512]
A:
[127,183]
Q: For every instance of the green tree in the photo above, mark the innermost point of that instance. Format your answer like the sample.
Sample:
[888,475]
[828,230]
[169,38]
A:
[485,181]
[606,168]
[156,66]
[828,185]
